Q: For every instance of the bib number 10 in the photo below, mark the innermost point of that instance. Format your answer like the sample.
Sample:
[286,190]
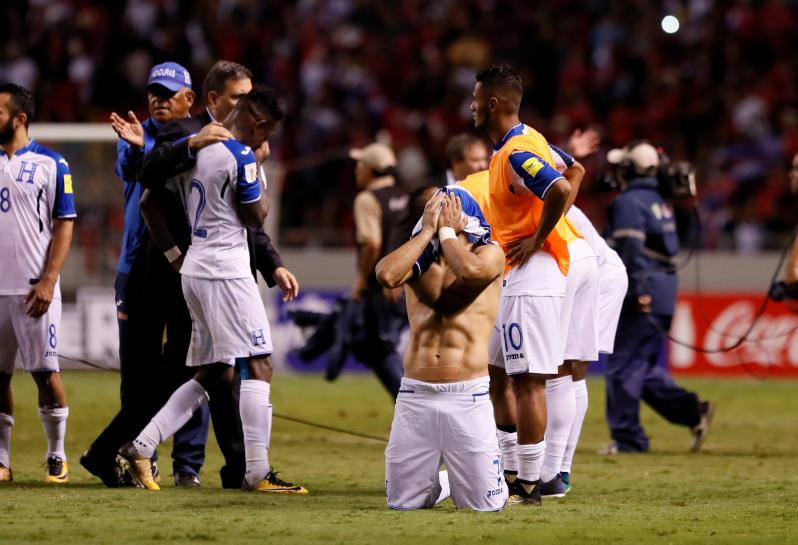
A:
[512,337]
[195,228]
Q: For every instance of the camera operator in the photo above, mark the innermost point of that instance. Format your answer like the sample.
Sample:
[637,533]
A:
[642,229]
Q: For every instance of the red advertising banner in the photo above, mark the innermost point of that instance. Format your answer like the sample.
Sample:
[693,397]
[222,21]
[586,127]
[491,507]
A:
[716,321]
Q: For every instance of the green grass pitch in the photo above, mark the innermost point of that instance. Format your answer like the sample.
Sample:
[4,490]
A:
[742,489]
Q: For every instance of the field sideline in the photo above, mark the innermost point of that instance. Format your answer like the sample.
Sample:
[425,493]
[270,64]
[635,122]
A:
[742,489]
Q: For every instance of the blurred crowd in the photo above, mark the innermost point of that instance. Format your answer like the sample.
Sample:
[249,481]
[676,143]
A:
[721,92]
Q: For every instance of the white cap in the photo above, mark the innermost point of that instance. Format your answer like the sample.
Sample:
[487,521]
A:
[377,156]
[643,156]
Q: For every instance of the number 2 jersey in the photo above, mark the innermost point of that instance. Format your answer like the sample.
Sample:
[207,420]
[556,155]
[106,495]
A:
[225,176]
[35,189]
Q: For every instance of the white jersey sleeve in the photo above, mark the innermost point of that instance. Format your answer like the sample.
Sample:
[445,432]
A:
[224,177]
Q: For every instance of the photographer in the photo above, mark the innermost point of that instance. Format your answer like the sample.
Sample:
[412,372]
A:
[642,230]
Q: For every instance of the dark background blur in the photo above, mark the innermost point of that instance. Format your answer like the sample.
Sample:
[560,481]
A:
[721,92]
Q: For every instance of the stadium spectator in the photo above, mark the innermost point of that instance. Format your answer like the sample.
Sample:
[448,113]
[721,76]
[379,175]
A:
[624,77]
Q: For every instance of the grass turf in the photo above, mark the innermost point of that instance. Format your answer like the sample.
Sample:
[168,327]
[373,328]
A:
[743,488]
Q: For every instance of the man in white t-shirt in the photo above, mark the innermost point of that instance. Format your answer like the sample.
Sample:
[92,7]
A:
[37,212]
[223,196]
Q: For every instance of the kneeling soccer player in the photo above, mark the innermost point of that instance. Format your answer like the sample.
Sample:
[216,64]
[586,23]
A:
[223,196]
[443,412]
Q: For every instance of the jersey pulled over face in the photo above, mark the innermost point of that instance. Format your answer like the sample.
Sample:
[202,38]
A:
[224,177]
[35,189]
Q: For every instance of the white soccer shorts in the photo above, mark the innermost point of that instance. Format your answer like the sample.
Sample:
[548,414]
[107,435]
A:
[527,336]
[613,283]
[580,320]
[228,320]
[36,338]
[449,423]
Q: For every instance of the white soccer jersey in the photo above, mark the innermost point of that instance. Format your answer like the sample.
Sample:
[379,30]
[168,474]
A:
[600,247]
[562,161]
[35,189]
[225,175]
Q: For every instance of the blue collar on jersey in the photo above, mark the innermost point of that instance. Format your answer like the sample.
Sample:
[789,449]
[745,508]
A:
[28,147]
[515,131]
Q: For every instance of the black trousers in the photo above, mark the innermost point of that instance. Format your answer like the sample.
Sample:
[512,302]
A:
[154,292]
[378,335]
[151,371]
[632,375]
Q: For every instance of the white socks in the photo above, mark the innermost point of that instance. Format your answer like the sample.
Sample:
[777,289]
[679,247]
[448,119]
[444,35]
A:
[6,421]
[446,490]
[172,416]
[507,444]
[54,423]
[529,459]
[560,406]
[580,394]
[256,422]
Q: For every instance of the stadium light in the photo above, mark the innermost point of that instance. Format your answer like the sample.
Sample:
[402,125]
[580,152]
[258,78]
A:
[670,24]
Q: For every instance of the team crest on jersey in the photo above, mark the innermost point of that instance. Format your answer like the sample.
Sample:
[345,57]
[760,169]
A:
[251,172]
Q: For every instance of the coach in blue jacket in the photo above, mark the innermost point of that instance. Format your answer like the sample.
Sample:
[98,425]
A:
[642,229]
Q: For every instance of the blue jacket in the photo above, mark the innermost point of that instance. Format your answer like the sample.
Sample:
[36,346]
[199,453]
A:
[128,159]
[642,229]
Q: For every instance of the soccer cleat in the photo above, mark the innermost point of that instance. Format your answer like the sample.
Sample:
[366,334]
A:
[272,484]
[554,488]
[511,478]
[5,474]
[701,430]
[138,467]
[57,471]
[566,481]
[186,479]
[526,492]
[110,474]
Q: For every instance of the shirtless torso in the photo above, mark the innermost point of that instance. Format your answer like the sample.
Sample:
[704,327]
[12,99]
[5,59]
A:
[450,323]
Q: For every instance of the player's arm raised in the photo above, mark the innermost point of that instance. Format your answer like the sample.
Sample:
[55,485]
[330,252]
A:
[156,223]
[477,268]
[410,259]
[573,171]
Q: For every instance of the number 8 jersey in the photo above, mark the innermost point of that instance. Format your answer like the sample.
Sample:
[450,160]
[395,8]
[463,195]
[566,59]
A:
[35,188]
[224,177]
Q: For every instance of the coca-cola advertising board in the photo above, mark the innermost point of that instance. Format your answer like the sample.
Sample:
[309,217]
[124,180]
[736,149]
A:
[716,321]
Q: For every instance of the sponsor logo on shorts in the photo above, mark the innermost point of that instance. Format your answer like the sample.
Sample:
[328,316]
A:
[51,354]
[494,492]
[514,356]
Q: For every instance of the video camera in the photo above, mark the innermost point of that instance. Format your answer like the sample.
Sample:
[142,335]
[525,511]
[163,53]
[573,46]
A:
[676,178]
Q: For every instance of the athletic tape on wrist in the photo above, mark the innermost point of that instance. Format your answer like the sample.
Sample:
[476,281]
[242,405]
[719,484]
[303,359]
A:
[445,233]
[173,254]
